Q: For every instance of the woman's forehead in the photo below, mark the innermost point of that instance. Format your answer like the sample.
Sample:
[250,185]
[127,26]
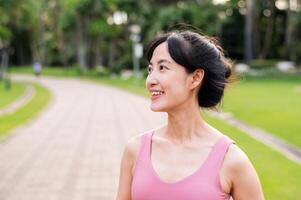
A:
[161,54]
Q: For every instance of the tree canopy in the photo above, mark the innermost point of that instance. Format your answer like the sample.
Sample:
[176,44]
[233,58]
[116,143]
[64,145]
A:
[91,33]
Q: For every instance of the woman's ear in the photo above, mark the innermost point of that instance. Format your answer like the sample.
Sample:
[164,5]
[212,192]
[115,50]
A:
[197,78]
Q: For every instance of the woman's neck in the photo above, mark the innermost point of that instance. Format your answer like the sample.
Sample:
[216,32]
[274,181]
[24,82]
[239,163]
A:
[185,124]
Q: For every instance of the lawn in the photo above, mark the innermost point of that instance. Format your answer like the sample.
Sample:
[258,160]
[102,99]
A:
[271,103]
[280,177]
[9,96]
[27,112]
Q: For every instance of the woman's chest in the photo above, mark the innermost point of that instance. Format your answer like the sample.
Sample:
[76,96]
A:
[172,164]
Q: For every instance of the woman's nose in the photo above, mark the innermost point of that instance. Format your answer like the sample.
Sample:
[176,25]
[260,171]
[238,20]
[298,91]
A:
[151,80]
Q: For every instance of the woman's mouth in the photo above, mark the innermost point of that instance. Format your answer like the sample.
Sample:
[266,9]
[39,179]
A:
[155,94]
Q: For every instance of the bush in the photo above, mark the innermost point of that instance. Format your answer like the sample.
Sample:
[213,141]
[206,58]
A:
[263,64]
[102,71]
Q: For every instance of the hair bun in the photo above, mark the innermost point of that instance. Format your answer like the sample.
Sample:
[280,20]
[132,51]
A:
[227,63]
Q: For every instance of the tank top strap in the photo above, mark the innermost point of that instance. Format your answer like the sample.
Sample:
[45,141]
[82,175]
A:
[146,143]
[216,157]
[144,150]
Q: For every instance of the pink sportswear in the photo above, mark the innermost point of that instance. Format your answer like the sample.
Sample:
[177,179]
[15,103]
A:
[203,184]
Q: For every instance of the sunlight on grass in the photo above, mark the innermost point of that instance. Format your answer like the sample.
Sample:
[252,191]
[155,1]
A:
[273,105]
[24,114]
[279,176]
[9,96]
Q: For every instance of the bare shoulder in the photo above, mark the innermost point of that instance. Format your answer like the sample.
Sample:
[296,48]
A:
[241,175]
[133,144]
[131,150]
[236,158]
[126,169]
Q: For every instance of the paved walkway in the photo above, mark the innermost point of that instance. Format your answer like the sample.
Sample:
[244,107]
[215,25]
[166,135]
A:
[72,150]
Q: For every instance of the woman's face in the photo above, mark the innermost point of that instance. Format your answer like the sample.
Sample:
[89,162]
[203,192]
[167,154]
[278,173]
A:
[167,81]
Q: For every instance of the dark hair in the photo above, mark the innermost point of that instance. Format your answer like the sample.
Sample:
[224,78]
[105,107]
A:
[193,51]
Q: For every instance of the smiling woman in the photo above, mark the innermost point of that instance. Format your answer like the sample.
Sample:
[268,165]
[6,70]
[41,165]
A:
[187,158]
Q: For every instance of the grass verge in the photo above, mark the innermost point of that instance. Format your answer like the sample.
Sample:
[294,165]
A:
[27,112]
[9,96]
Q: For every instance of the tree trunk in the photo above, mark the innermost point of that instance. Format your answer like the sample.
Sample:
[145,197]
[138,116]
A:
[111,54]
[81,46]
[41,30]
[288,33]
[256,36]
[4,62]
[269,31]
[61,48]
[98,55]
[249,30]
[60,35]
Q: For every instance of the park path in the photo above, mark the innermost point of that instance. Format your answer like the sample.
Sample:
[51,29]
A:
[72,150]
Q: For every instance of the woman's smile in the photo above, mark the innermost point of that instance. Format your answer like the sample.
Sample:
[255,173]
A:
[156,94]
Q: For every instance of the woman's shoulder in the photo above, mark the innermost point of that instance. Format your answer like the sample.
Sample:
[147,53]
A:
[131,150]
[236,160]
[241,175]
[133,145]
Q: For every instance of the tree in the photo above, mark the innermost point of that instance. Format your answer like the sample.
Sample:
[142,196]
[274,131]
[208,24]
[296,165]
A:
[249,29]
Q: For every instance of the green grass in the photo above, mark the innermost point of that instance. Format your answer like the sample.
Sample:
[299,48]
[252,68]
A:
[49,71]
[273,104]
[280,177]
[9,96]
[27,112]
[71,71]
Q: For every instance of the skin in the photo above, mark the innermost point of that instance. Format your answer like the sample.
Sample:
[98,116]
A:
[186,137]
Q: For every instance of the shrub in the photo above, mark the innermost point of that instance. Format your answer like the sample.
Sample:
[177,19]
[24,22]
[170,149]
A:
[263,64]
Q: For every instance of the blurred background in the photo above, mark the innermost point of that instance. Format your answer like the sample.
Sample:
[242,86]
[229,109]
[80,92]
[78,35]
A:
[89,34]
[104,41]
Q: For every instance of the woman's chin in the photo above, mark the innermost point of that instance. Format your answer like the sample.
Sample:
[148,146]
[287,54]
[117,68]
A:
[157,108]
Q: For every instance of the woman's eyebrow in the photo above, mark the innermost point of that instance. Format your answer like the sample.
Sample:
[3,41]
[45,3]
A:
[161,61]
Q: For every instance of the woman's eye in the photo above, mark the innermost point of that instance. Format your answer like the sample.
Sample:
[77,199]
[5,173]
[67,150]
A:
[149,69]
[162,67]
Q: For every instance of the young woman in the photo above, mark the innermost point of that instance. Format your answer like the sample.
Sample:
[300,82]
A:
[187,159]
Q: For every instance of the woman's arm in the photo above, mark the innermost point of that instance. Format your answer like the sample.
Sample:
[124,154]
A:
[245,182]
[126,168]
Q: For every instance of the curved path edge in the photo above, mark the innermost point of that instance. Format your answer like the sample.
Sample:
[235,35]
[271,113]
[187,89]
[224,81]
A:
[290,151]
[20,102]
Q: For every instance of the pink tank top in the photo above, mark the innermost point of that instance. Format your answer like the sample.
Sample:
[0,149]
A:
[203,184]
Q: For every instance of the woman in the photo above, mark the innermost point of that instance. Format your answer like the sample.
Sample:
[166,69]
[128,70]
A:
[186,159]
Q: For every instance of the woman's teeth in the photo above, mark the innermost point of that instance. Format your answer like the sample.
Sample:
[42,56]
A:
[156,93]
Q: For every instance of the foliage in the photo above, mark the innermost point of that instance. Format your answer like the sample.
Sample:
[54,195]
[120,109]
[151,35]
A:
[84,32]
[263,63]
